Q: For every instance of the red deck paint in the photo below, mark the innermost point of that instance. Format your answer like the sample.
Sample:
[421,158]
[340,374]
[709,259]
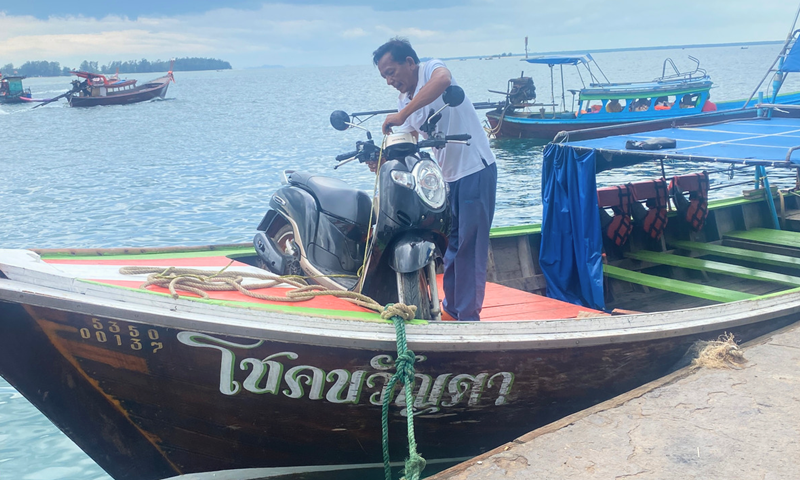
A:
[500,303]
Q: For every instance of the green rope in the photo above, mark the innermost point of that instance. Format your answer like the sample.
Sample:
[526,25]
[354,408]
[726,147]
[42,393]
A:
[404,365]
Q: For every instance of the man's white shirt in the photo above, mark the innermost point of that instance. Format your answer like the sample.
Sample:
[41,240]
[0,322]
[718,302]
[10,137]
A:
[456,160]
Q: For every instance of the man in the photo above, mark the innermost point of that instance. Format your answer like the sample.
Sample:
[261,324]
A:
[469,170]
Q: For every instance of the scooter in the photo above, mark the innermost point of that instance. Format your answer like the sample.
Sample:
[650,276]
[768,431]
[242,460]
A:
[323,228]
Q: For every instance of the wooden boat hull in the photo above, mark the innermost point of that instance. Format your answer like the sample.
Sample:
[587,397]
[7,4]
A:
[8,99]
[152,387]
[143,93]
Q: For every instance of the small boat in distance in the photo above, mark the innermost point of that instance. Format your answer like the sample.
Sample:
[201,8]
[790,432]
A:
[12,91]
[97,89]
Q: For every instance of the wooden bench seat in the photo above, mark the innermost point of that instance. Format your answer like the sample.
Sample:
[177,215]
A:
[714,267]
[783,238]
[742,254]
[676,286]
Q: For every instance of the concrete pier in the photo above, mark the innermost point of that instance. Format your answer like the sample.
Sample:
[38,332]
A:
[697,423]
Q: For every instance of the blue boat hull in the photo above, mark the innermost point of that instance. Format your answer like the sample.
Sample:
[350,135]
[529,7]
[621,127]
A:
[604,124]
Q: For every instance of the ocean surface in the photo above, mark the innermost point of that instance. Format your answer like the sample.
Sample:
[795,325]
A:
[199,167]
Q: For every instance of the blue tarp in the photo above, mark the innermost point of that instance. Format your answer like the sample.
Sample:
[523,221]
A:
[751,139]
[571,252]
[792,61]
[559,59]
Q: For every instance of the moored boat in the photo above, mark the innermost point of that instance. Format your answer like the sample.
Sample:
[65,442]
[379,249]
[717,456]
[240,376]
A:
[152,386]
[615,107]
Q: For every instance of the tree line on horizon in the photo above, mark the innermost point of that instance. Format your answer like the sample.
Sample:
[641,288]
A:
[54,69]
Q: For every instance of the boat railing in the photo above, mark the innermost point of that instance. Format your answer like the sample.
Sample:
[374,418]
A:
[678,75]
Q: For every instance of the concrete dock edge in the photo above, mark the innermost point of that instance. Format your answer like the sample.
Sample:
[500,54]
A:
[696,423]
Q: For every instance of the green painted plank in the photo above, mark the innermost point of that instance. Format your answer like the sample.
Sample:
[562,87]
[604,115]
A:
[226,252]
[731,202]
[741,254]
[783,238]
[775,294]
[714,267]
[515,231]
[676,286]
[535,229]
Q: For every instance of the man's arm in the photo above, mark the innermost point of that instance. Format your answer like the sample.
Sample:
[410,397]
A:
[435,87]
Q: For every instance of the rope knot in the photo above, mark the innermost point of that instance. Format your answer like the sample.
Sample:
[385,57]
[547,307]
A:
[414,466]
[406,312]
[405,367]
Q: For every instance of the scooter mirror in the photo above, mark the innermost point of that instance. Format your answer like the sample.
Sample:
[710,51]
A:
[453,96]
[340,120]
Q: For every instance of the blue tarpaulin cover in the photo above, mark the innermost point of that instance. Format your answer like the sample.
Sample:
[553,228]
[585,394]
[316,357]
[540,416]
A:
[571,252]
[792,61]
[743,140]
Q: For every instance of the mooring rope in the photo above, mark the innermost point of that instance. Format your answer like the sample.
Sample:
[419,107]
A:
[492,132]
[199,281]
[404,366]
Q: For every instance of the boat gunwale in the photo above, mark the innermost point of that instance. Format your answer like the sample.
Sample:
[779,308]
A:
[66,293]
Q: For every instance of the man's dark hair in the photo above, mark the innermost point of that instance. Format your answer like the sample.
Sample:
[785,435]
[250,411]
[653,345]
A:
[400,48]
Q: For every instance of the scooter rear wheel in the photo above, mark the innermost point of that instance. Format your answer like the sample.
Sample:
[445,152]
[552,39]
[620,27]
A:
[414,290]
[284,239]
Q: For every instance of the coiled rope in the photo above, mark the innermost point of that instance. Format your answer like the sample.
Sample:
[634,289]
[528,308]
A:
[199,281]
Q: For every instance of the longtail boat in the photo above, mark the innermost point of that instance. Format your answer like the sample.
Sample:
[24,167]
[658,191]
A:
[12,91]
[97,89]
[612,290]
[604,108]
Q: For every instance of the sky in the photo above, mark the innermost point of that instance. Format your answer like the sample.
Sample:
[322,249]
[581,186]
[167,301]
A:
[251,33]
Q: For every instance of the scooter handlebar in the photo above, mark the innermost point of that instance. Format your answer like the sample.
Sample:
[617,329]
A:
[463,137]
[347,155]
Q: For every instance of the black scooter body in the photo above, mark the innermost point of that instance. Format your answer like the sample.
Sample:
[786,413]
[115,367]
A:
[331,220]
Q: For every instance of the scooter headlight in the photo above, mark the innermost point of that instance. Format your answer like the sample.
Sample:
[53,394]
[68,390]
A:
[429,184]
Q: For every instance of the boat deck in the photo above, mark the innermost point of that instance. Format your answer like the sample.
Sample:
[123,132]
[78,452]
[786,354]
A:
[500,304]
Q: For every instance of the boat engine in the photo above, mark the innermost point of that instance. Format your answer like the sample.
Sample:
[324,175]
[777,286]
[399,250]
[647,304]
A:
[520,91]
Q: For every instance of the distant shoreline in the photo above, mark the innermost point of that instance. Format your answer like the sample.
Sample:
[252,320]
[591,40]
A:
[626,49]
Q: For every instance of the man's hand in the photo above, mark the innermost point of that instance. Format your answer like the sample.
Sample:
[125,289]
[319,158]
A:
[393,120]
[373,166]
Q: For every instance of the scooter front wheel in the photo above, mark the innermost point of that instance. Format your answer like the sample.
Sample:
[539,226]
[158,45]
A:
[413,290]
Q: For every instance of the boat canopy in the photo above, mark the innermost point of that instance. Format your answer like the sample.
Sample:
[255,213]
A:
[646,89]
[14,83]
[560,59]
[792,61]
[758,141]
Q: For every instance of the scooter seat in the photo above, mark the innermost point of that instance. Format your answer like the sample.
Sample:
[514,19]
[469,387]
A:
[335,197]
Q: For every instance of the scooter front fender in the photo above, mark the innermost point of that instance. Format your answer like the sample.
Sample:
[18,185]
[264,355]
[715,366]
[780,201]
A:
[411,253]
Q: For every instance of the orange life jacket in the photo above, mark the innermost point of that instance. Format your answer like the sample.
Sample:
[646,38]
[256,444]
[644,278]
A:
[653,219]
[695,209]
[619,227]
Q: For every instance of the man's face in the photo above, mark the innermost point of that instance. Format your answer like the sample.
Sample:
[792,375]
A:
[399,75]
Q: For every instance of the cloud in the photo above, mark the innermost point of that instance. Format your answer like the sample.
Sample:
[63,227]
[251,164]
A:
[354,33]
[250,33]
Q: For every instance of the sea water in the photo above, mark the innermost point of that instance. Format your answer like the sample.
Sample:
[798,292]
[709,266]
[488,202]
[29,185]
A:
[199,167]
